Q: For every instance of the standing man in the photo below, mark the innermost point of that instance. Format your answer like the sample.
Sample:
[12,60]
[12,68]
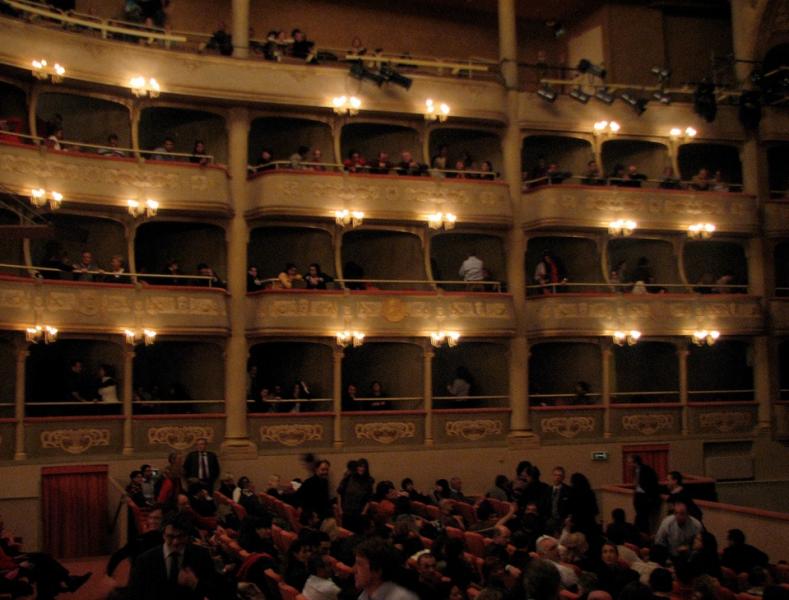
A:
[374,570]
[646,499]
[202,465]
[176,569]
[560,500]
[473,271]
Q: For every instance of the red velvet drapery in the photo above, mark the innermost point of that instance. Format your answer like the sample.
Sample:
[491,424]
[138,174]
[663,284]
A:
[74,510]
[653,455]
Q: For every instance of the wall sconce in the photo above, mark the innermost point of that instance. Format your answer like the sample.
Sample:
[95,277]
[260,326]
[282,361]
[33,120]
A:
[38,333]
[701,231]
[435,112]
[342,105]
[345,217]
[677,133]
[451,338]
[626,337]
[623,227]
[137,209]
[147,336]
[39,198]
[141,87]
[606,128]
[42,70]
[439,220]
[702,337]
[345,338]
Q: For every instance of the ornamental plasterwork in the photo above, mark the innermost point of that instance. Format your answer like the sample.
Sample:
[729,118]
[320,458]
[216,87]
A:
[291,435]
[725,422]
[648,424]
[75,441]
[473,429]
[384,433]
[567,427]
[179,437]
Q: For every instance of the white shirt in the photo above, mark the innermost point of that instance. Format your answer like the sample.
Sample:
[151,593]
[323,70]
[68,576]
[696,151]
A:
[459,387]
[108,393]
[472,269]
[389,591]
[318,588]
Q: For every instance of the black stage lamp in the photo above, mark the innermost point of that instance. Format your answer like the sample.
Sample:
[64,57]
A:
[604,96]
[360,72]
[578,94]
[637,104]
[392,76]
[587,66]
[704,102]
[547,93]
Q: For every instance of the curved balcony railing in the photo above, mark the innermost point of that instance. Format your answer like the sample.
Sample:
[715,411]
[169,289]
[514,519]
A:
[670,183]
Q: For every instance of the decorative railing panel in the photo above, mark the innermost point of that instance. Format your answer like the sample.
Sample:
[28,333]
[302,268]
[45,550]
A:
[722,418]
[291,431]
[64,437]
[384,429]
[164,434]
[567,424]
[644,421]
[476,427]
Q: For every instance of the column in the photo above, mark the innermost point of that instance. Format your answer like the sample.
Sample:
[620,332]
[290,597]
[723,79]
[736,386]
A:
[237,442]
[240,28]
[427,393]
[19,401]
[519,389]
[682,355]
[337,395]
[607,354]
[761,383]
[128,397]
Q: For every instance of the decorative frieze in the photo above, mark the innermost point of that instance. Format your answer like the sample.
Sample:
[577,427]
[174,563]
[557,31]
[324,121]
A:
[74,441]
[179,437]
[384,432]
[292,435]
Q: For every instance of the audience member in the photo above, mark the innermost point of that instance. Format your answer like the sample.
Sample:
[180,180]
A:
[677,493]
[319,585]
[173,269]
[550,273]
[591,175]
[408,165]
[462,384]
[86,269]
[111,149]
[107,386]
[355,162]
[314,495]
[374,573]
[212,279]
[701,181]
[646,499]
[202,465]
[315,278]
[221,40]
[317,159]
[739,556]
[117,272]
[441,159]
[677,531]
[254,283]
[299,157]
[165,151]
[302,47]
[670,181]
[288,277]
[199,154]
[381,165]
[473,271]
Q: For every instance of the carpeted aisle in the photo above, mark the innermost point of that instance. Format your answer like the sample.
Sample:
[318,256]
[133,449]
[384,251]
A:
[98,586]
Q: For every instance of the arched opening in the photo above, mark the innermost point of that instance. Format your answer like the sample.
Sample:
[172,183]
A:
[653,262]
[63,378]
[449,250]
[571,155]
[289,377]
[189,244]
[397,366]
[179,377]
[74,236]
[723,371]
[482,365]
[368,254]
[577,259]
[713,158]
[282,136]
[184,127]
[633,159]
[271,248]
[7,378]
[469,145]
[83,118]
[370,139]
[781,261]
[565,374]
[777,159]
[11,252]
[645,373]
[13,112]
[719,263]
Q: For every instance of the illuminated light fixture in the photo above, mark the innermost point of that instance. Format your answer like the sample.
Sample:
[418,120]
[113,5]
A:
[626,337]
[343,105]
[703,336]
[578,94]
[701,231]
[623,227]
[439,338]
[346,217]
[547,93]
[39,198]
[146,336]
[675,133]
[637,104]
[439,220]
[436,112]
[42,70]
[349,338]
[47,333]
[662,73]
[689,133]
[606,127]
[141,87]
[137,209]
[604,96]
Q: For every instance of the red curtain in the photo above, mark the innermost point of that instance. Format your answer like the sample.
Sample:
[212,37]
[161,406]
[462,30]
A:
[74,510]
[653,455]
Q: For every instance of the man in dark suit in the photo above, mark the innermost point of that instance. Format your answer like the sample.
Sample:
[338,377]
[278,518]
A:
[202,465]
[646,499]
[175,570]
[559,500]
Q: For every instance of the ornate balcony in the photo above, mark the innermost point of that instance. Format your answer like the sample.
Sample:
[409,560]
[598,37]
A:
[105,181]
[572,206]
[398,313]
[664,314]
[288,192]
[94,307]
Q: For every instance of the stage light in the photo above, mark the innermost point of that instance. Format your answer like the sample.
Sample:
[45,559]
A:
[547,93]
[704,102]
[358,71]
[637,104]
[578,94]
[391,76]
[587,66]
[604,96]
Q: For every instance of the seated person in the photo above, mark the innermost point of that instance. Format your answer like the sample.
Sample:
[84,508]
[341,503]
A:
[441,160]
[112,147]
[134,489]
[409,166]
[254,283]
[165,151]
[298,157]
[276,45]
[550,273]
[86,269]
[701,181]
[264,160]
[377,392]
[173,269]
[591,175]
[288,277]
[488,173]
[539,173]
[199,154]
[302,47]
[555,175]
[316,279]
[381,165]
[317,157]
[206,271]
[355,162]
[319,585]
[458,171]
[221,40]
[117,272]
[634,178]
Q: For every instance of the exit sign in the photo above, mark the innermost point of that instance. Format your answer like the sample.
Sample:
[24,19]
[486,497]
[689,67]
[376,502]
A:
[600,455]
